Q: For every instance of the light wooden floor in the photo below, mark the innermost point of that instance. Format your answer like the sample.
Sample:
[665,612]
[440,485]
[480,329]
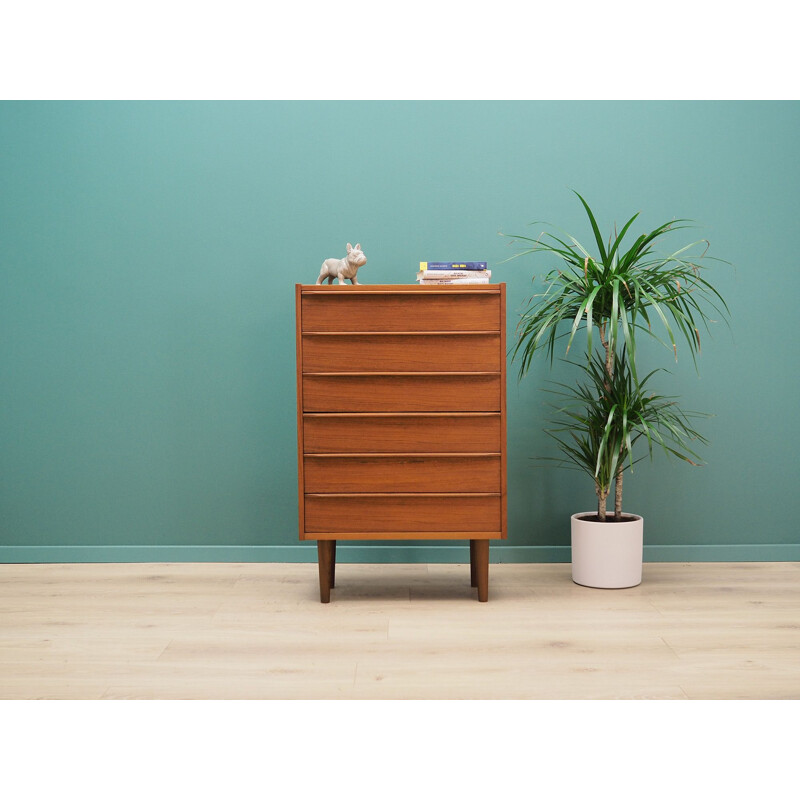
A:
[396,631]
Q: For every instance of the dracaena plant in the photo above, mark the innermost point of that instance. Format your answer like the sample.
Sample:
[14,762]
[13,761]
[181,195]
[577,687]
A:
[602,417]
[613,294]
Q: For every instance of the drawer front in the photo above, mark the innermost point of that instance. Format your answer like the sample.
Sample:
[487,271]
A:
[440,392]
[343,514]
[402,473]
[401,353]
[410,311]
[412,433]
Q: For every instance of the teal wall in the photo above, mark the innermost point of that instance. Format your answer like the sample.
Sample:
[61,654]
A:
[149,251]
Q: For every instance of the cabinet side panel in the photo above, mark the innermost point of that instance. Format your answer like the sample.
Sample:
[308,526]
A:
[298,294]
[503,379]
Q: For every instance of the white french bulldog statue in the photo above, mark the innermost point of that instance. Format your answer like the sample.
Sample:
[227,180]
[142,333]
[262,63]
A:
[342,268]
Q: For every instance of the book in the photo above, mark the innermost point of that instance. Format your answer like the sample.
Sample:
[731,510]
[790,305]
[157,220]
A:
[441,274]
[440,281]
[470,265]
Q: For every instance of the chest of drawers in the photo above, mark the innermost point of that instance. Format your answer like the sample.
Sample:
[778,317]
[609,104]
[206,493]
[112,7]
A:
[401,417]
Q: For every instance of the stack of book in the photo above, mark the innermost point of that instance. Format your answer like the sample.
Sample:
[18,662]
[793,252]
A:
[438,272]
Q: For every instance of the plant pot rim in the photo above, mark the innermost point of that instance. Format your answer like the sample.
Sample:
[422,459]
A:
[627,518]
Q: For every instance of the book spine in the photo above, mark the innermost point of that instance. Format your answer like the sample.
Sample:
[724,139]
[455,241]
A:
[470,265]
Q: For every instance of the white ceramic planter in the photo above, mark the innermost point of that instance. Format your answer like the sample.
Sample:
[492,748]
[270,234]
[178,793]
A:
[607,555]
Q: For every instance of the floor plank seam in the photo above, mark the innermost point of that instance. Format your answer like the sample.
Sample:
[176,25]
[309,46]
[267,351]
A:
[672,650]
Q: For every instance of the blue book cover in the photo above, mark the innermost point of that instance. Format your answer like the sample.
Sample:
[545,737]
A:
[472,265]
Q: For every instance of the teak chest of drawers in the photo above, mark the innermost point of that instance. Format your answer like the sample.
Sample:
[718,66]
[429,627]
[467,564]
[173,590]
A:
[401,417]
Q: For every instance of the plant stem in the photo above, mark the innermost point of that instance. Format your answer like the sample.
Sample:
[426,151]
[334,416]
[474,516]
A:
[607,383]
[609,357]
[601,503]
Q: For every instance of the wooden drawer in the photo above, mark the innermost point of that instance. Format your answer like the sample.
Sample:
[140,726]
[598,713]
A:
[402,433]
[412,392]
[402,473]
[395,352]
[399,513]
[418,310]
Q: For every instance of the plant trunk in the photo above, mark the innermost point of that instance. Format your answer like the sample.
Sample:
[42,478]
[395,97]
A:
[618,478]
[609,357]
[601,502]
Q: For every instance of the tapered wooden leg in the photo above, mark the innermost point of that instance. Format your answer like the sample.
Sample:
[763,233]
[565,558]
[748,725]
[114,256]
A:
[473,575]
[333,563]
[324,555]
[482,568]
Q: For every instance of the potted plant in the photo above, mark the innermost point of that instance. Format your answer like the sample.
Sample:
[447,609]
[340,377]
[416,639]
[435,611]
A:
[613,295]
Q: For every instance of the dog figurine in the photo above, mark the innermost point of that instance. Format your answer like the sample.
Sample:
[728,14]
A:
[342,268]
